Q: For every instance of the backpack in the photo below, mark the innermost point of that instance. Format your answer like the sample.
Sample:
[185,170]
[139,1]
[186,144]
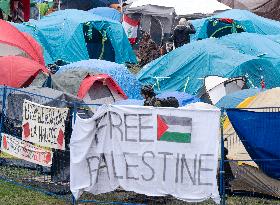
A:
[169,102]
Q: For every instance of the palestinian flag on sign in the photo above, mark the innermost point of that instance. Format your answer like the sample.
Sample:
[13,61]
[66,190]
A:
[174,129]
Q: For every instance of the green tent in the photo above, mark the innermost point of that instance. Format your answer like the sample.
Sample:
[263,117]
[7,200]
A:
[5,6]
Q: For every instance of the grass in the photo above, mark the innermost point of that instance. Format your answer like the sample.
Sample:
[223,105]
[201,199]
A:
[11,194]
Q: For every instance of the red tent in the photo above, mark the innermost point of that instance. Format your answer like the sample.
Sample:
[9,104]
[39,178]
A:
[14,42]
[17,71]
[100,88]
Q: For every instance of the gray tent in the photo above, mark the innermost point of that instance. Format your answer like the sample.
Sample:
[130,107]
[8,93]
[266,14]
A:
[159,17]
[156,20]
[266,8]
[89,85]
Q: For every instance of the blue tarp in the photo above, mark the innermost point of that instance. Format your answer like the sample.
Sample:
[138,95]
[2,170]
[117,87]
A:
[259,132]
[185,68]
[130,102]
[107,12]
[251,22]
[86,4]
[126,80]
[61,36]
[183,98]
[234,99]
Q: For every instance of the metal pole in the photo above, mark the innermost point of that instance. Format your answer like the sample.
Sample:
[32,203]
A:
[222,187]
[75,112]
[3,108]
[73,200]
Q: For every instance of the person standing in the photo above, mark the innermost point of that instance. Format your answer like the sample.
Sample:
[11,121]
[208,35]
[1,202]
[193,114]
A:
[148,50]
[182,33]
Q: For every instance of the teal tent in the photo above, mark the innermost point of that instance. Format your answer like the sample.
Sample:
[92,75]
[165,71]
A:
[252,23]
[185,68]
[275,38]
[262,46]
[74,35]
[218,27]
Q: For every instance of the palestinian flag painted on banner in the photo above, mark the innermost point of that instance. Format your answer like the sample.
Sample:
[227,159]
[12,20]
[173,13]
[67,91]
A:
[174,129]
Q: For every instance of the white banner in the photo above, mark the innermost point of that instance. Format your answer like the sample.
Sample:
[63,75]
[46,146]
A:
[44,125]
[151,151]
[26,151]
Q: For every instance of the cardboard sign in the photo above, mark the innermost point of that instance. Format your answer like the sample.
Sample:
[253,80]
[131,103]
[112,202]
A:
[26,151]
[44,125]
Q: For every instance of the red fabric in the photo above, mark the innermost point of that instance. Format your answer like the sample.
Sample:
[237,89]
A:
[132,40]
[36,46]
[91,79]
[263,84]
[25,10]
[17,71]
[226,20]
[12,36]
[130,21]
[162,127]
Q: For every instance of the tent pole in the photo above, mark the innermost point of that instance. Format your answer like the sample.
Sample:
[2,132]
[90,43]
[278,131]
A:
[4,96]
[39,9]
[222,172]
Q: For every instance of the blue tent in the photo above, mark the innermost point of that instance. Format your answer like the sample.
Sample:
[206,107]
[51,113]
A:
[275,38]
[61,34]
[251,22]
[234,99]
[127,81]
[107,12]
[257,45]
[183,98]
[259,132]
[185,68]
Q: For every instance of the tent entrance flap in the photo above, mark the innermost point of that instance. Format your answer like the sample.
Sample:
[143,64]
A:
[8,50]
[156,30]
[100,91]
[98,43]
[215,88]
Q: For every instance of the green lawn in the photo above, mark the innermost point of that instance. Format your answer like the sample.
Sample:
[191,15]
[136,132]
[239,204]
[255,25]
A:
[15,195]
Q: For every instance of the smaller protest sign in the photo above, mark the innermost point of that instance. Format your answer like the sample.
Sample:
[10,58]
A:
[44,125]
[26,151]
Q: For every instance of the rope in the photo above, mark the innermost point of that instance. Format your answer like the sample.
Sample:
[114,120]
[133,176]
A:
[220,30]
[104,39]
